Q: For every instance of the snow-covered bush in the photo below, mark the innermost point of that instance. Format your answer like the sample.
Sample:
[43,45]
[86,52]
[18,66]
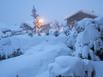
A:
[10,47]
[2,56]
[15,53]
[66,30]
[66,66]
[26,27]
[81,25]
[55,28]
[5,33]
[72,38]
[86,39]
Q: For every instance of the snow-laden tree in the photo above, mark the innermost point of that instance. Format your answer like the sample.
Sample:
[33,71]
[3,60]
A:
[27,28]
[39,25]
[34,13]
[55,28]
[45,29]
[86,39]
[66,30]
[35,16]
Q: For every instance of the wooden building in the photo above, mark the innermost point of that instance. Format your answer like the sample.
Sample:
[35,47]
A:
[77,17]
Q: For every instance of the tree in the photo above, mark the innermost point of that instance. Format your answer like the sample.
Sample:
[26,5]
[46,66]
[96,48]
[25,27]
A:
[36,21]
[55,26]
[39,25]
[26,26]
[45,29]
[34,13]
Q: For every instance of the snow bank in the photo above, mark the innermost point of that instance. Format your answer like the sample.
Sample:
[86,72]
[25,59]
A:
[39,53]
[30,64]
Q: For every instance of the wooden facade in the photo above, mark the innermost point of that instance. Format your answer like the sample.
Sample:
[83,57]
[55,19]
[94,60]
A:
[77,17]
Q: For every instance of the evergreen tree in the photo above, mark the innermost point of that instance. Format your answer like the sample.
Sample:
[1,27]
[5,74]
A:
[34,13]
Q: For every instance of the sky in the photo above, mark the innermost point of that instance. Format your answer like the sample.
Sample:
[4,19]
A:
[18,11]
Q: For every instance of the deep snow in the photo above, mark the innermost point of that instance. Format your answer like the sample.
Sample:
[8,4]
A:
[50,56]
[42,51]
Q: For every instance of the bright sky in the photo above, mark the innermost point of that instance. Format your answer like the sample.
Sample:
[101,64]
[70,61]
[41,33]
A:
[17,11]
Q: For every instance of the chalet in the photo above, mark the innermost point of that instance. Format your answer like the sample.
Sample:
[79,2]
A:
[77,17]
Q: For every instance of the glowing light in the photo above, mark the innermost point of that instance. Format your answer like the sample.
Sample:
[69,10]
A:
[39,22]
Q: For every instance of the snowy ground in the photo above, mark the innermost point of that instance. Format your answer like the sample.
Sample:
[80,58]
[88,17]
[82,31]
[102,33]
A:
[50,56]
[42,51]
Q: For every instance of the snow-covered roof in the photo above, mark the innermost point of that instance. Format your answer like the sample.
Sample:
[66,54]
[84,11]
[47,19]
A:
[78,11]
